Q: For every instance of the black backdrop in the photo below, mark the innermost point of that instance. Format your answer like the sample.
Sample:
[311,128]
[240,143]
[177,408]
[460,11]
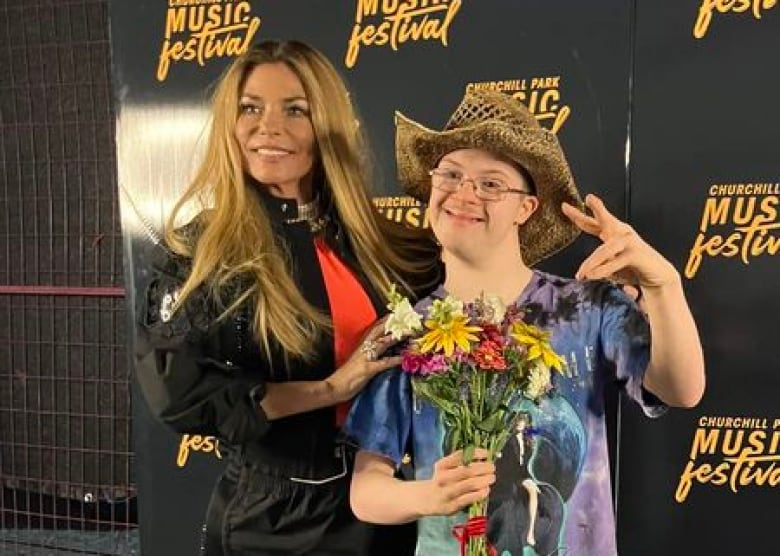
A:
[656,116]
[704,113]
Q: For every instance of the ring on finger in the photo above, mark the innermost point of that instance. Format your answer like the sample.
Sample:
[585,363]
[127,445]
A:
[369,350]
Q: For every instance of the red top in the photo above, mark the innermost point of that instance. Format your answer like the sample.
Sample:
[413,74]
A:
[350,308]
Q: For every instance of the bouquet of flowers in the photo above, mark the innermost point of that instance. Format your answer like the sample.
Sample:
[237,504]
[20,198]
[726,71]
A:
[474,362]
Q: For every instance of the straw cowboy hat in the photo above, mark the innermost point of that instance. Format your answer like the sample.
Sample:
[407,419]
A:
[494,122]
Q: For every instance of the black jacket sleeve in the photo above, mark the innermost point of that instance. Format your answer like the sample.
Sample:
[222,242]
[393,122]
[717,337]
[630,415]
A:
[188,384]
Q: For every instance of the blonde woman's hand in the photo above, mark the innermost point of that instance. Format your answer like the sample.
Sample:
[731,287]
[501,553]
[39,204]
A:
[623,255]
[455,485]
[365,362]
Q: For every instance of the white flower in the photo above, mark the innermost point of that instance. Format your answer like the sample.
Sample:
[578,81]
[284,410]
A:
[443,310]
[394,298]
[403,321]
[538,381]
[454,305]
[495,309]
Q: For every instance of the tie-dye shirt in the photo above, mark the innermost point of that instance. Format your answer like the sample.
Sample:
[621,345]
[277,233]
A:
[552,494]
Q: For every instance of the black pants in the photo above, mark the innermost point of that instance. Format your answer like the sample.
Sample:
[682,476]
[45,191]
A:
[256,513]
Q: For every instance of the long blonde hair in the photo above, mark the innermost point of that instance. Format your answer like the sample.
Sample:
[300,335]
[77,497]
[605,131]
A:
[235,244]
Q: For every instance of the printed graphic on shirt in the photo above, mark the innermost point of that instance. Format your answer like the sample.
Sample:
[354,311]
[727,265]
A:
[537,471]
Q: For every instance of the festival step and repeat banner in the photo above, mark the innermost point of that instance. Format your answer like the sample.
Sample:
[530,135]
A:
[704,183]
[665,111]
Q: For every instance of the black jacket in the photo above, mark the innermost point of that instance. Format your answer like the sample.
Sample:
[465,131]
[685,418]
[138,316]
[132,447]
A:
[204,376]
[198,373]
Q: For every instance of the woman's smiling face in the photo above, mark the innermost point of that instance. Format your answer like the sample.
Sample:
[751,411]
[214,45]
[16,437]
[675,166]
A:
[274,129]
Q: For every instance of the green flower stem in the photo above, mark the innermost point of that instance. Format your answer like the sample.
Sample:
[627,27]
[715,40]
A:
[477,546]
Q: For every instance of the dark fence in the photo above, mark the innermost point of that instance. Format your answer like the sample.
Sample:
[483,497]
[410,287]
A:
[66,460]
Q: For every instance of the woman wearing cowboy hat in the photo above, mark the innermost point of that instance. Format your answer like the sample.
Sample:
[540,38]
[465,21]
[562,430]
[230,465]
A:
[501,198]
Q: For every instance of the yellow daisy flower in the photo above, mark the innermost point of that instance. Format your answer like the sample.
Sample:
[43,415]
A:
[537,342]
[444,336]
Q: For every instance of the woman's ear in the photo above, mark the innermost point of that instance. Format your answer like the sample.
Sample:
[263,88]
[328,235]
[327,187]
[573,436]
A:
[527,208]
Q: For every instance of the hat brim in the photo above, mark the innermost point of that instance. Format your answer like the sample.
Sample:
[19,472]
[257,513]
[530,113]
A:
[548,230]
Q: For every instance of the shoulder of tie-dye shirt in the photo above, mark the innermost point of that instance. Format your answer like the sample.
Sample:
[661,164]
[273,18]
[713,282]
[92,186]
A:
[422,305]
[590,292]
[559,299]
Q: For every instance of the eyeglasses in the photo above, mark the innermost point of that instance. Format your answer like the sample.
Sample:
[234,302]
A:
[487,189]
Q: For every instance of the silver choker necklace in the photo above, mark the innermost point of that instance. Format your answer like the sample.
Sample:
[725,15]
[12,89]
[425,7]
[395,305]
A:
[309,212]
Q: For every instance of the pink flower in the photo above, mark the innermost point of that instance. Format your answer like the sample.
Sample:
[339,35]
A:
[412,363]
[423,364]
[435,364]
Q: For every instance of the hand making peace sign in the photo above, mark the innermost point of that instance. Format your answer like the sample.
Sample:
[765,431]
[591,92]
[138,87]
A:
[623,256]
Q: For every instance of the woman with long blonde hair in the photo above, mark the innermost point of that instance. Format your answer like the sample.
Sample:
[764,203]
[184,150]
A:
[261,309]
